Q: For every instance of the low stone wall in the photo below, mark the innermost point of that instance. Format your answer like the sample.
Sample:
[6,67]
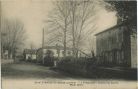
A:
[6,61]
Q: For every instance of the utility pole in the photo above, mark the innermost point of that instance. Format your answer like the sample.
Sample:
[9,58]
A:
[43,38]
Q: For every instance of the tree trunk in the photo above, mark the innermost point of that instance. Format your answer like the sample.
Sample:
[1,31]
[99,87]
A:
[64,43]
[73,34]
[73,24]
[65,33]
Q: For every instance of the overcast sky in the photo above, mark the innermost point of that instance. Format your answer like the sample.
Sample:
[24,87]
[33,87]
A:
[33,13]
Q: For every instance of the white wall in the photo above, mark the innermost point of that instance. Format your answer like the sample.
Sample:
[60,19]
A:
[27,55]
[55,52]
[33,57]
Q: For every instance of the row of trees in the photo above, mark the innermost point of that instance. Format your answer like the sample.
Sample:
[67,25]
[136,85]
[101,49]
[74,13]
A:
[70,23]
[12,36]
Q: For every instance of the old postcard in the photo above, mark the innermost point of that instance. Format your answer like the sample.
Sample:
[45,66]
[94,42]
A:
[68,44]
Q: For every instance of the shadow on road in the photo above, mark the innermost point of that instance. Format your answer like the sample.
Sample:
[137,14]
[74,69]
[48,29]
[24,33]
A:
[29,70]
[25,70]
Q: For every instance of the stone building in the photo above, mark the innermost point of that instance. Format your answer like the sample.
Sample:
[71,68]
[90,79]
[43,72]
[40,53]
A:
[117,46]
[30,54]
[56,51]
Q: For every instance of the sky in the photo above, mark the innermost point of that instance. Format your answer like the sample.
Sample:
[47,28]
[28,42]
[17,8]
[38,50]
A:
[33,13]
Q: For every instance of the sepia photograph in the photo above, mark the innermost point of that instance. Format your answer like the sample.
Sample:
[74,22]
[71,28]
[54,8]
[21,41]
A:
[68,44]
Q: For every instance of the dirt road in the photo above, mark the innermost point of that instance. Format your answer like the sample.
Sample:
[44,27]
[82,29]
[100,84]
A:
[30,70]
[32,76]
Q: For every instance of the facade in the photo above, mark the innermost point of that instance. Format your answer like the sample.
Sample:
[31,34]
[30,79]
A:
[5,54]
[56,52]
[117,46]
[30,54]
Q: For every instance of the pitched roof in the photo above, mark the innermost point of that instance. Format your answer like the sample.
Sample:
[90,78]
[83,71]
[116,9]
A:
[116,26]
[111,28]
[57,47]
[30,51]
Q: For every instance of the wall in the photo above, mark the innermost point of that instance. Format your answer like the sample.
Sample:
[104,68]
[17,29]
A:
[60,53]
[113,46]
[133,51]
[27,55]
[111,39]
[33,57]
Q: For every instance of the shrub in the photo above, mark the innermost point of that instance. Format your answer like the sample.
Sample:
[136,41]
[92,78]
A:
[49,61]
[78,66]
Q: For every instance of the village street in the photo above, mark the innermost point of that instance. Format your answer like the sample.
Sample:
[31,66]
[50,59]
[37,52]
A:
[25,70]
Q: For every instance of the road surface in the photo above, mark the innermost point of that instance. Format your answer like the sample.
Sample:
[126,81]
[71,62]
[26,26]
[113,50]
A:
[30,71]
[32,76]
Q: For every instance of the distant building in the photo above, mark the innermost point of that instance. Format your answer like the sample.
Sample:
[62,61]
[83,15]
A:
[5,54]
[57,52]
[30,54]
[117,46]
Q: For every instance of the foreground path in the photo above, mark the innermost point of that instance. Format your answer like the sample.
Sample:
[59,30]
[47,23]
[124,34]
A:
[32,76]
[29,70]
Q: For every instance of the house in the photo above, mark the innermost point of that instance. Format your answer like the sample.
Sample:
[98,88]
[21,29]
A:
[5,54]
[56,52]
[117,45]
[30,54]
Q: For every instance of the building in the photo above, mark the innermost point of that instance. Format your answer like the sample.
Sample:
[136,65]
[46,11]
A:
[30,54]
[117,46]
[56,52]
[5,54]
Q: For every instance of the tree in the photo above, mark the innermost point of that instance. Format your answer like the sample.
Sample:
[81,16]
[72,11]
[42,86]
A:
[14,35]
[82,13]
[71,22]
[60,20]
[32,47]
[126,11]
[91,45]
